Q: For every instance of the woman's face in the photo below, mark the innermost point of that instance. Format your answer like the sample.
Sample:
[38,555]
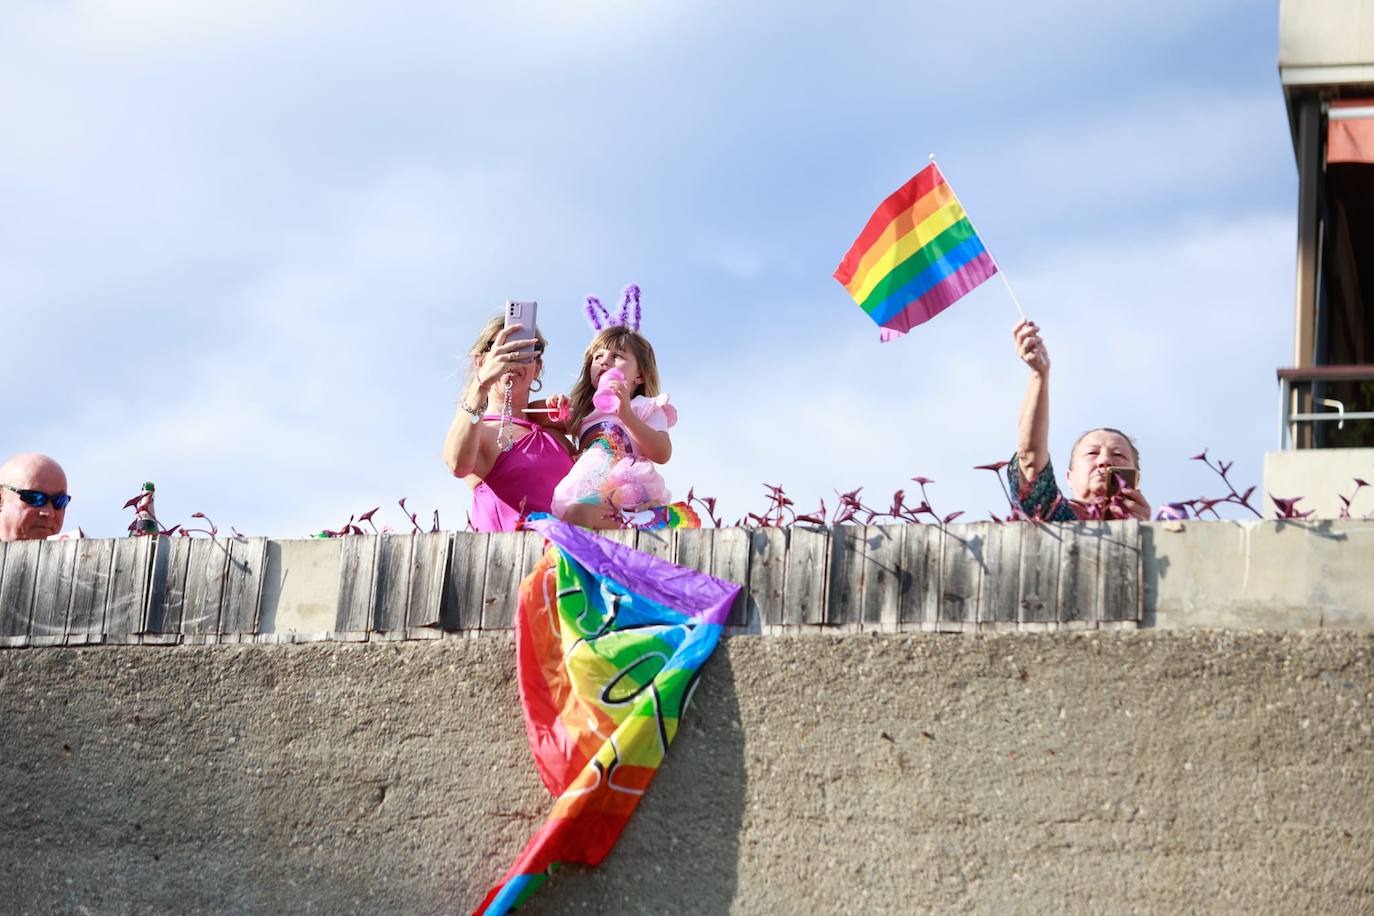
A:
[1092,456]
[615,358]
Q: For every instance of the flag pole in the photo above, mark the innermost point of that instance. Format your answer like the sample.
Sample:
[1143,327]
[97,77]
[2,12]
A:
[1000,272]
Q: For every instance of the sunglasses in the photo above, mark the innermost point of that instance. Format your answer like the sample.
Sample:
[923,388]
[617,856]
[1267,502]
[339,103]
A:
[538,346]
[38,498]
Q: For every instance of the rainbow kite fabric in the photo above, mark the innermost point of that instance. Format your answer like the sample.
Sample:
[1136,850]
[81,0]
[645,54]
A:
[917,256]
[609,646]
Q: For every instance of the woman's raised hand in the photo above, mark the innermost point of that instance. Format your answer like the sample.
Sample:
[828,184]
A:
[1030,347]
[503,358]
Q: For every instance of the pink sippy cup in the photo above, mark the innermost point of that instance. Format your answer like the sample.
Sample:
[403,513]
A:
[605,399]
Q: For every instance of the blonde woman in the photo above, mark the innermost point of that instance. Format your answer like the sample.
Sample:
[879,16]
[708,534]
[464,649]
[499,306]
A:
[511,464]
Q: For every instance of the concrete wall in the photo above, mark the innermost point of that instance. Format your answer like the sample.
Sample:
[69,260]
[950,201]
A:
[1260,575]
[1332,35]
[1143,771]
[1320,476]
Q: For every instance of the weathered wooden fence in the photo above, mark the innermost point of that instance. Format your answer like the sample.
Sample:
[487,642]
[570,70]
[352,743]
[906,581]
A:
[419,586]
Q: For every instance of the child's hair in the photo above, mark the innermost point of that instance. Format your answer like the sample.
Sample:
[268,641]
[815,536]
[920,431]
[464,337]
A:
[487,337]
[617,337]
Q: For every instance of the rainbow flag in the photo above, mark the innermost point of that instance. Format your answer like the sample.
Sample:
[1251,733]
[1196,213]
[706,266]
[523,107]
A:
[917,256]
[609,646]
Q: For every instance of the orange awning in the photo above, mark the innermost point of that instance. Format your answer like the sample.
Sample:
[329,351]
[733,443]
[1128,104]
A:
[1350,131]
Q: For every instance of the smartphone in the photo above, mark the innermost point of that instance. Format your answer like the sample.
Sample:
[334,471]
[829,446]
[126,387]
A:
[524,313]
[1118,476]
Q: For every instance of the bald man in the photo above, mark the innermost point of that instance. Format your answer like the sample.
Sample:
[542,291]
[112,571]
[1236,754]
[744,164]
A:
[33,497]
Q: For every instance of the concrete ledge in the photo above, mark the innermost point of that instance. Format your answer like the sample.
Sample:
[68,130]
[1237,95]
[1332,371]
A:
[1132,772]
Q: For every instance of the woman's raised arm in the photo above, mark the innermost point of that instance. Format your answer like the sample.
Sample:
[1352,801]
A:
[1033,428]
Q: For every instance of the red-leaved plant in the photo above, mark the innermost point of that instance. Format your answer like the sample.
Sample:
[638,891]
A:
[780,511]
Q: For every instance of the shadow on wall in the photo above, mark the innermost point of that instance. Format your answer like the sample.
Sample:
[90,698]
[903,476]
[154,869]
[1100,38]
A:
[1154,568]
[683,842]
[323,778]
[1272,574]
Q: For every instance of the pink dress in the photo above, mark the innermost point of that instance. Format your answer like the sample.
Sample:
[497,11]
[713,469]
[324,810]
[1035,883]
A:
[521,481]
[607,471]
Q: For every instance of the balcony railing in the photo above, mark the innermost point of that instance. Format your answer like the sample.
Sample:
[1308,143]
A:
[1335,409]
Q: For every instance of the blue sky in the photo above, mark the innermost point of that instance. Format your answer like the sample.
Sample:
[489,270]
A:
[246,245]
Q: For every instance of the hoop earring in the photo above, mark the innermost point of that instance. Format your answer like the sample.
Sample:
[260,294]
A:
[537,385]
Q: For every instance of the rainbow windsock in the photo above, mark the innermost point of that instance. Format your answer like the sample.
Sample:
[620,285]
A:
[609,646]
[918,255]
[673,515]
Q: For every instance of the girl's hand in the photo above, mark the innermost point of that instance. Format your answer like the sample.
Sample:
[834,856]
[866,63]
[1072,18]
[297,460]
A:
[1030,347]
[551,412]
[625,392]
[560,406]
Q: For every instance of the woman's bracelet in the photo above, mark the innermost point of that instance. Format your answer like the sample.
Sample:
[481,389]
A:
[473,413]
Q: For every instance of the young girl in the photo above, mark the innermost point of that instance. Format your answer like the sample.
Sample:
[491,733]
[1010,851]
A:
[615,482]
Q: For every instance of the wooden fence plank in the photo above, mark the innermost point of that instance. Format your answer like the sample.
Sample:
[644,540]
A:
[467,571]
[535,548]
[844,599]
[922,551]
[1120,572]
[207,568]
[804,583]
[90,585]
[882,599]
[53,598]
[767,574]
[3,546]
[730,561]
[1079,580]
[505,568]
[428,570]
[393,584]
[657,543]
[357,584]
[1000,599]
[961,572]
[692,548]
[168,598]
[1039,589]
[243,585]
[17,588]
[126,602]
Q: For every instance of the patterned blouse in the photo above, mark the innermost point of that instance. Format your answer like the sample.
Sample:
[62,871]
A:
[1041,497]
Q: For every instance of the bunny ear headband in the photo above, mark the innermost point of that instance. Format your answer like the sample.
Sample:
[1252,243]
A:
[600,319]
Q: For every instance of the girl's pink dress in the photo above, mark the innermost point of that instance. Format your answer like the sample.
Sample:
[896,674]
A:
[521,481]
[607,470]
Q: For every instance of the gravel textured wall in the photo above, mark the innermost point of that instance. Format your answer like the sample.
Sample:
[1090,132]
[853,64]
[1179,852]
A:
[1125,772]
